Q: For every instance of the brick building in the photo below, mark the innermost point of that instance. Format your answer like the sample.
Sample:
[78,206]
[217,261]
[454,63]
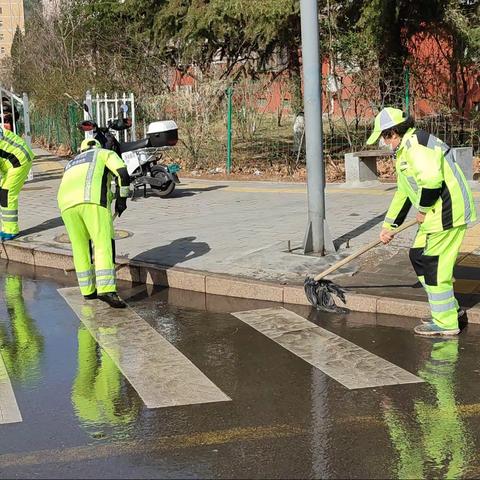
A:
[11,17]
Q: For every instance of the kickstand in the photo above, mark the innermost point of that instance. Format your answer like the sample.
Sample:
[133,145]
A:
[144,190]
[133,194]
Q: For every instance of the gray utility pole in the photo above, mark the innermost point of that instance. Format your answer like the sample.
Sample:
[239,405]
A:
[317,236]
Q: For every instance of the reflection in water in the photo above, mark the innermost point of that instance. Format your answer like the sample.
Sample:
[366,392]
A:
[21,345]
[100,394]
[438,439]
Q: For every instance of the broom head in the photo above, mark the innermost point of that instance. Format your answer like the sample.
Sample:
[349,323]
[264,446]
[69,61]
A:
[320,295]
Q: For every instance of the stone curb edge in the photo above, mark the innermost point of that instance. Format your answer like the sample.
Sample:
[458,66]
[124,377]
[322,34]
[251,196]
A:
[41,255]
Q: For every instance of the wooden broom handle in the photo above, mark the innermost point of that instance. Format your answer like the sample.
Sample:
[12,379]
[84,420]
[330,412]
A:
[364,249]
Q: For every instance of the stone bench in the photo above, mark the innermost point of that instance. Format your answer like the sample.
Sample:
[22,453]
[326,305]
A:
[361,167]
[464,158]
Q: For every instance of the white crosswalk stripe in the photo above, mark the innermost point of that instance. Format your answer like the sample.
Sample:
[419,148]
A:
[161,375]
[340,359]
[9,411]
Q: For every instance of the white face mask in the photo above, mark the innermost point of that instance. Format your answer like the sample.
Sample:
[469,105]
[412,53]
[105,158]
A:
[384,145]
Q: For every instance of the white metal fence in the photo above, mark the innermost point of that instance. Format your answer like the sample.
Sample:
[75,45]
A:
[105,108]
[11,106]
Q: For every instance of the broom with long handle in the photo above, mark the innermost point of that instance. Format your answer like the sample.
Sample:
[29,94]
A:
[320,291]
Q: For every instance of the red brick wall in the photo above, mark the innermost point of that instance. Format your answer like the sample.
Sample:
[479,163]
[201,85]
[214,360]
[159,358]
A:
[430,86]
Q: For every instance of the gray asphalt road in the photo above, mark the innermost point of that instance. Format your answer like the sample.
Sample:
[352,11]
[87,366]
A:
[282,417]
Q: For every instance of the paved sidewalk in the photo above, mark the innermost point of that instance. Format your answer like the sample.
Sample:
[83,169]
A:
[244,229]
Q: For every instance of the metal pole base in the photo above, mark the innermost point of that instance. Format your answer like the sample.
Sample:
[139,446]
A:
[329,247]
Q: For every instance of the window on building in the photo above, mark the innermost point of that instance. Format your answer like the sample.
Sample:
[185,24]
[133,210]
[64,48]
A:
[2,36]
[2,50]
[1,11]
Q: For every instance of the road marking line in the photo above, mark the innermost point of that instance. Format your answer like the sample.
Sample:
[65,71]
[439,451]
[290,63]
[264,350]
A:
[9,411]
[152,445]
[301,190]
[161,375]
[297,191]
[468,410]
[340,359]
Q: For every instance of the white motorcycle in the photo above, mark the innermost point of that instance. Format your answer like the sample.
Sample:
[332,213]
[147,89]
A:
[142,157]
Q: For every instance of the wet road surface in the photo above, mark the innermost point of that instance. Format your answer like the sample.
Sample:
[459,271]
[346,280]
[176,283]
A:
[280,416]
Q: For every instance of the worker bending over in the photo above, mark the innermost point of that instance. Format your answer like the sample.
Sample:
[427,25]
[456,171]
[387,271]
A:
[84,199]
[428,178]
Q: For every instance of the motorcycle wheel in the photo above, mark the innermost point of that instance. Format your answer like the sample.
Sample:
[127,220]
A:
[165,190]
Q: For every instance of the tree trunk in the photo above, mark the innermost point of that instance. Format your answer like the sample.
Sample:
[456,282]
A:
[391,59]
[295,77]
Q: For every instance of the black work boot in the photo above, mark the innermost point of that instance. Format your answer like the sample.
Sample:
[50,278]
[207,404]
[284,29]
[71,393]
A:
[91,296]
[112,299]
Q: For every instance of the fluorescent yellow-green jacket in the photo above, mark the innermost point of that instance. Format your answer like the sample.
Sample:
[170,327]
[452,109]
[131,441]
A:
[429,178]
[88,177]
[14,152]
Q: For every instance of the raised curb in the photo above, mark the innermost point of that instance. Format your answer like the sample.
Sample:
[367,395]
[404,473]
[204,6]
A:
[41,255]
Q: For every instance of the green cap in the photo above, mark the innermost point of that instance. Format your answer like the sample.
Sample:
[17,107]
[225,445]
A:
[387,118]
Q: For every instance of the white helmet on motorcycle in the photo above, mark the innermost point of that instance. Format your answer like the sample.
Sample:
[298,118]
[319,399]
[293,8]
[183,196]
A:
[89,143]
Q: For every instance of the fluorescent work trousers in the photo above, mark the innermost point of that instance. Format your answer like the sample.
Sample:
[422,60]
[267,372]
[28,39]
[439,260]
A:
[89,224]
[433,257]
[11,184]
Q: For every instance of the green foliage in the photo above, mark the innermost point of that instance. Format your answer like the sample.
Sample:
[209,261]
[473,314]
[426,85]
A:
[369,32]
[31,6]
[245,33]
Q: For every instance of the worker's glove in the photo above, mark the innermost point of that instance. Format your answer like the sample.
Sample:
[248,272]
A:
[120,205]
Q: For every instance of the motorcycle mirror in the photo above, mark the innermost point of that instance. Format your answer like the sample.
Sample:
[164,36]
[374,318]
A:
[85,107]
[121,124]
[86,126]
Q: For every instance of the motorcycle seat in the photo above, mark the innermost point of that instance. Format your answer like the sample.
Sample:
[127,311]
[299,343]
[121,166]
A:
[130,146]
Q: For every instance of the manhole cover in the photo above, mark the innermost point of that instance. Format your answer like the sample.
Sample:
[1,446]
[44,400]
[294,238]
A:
[119,235]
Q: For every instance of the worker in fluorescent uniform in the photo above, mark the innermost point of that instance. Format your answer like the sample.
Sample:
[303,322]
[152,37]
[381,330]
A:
[84,199]
[15,163]
[21,343]
[100,395]
[428,178]
[432,440]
